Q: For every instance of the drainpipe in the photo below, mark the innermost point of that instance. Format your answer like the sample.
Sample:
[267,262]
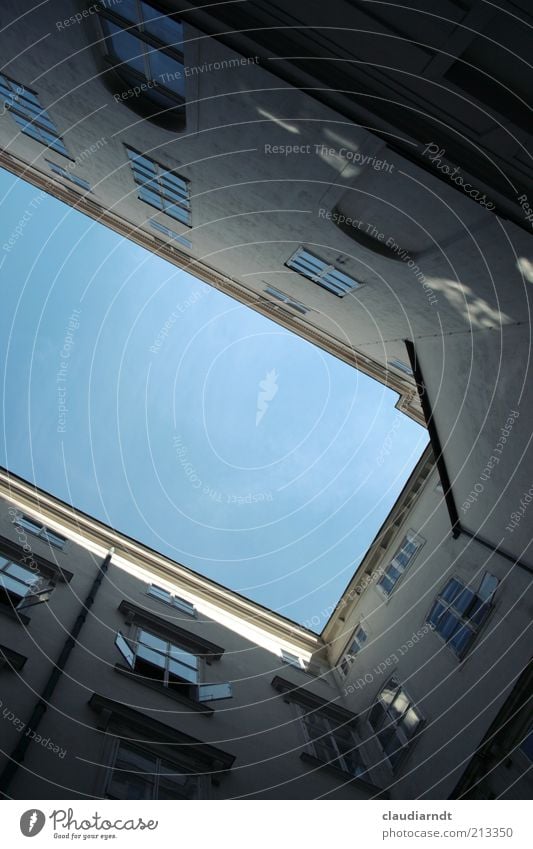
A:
[19,752]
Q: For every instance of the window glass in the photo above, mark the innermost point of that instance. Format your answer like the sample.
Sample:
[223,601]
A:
[163,27]
[124,46]
[153,641]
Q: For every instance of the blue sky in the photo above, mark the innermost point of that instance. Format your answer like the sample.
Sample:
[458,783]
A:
[192,423]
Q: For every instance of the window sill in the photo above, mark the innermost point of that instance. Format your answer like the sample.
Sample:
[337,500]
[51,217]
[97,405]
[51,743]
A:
[12,614]
[346,777]
[200,707]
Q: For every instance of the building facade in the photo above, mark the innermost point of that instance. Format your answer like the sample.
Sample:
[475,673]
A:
[126,675]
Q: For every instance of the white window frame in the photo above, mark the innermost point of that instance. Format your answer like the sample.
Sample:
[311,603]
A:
[27,112]
[164,184]
[286,299]
[14,585]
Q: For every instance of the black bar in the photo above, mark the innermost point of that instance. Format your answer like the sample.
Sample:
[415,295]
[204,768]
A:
[434,439]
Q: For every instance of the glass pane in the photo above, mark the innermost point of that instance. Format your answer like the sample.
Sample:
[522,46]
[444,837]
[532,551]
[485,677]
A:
[22,574]
[13,586]
[151,656]
[341,280]
[451,590]
[464,600]
[124,46]
[377,716]
[133,759]
[151,640]
[180,602]
[479,612]
[386,584]
[448,624]
[487,587]
[177,212]
[34,527]
[435,613]
[183,656]
[152,198]
[462,640]
[400,704]
[388,692]
[166,71]
[410,722]
[392,745]
[166,29]
[53,538]
[160,593]
[181,671]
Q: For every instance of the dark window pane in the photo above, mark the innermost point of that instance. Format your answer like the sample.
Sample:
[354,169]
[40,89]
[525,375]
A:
[448,624]
[161,26]
[124,46]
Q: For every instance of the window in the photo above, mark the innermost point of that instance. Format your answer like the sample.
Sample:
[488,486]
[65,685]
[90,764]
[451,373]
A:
[169,598]
[286,299]
[170,664]
[332,743]
[327,276]
[40,530]
[144,46]
[458,612]
[291,659]
[395,720]
[359,639]
[16,582]
[162,189]
[138,774]
[401,366]
[402,559]
[67,175]
[170,233]
[30,116]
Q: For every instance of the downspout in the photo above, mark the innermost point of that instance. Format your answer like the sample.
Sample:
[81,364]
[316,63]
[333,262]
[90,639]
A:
[19,752]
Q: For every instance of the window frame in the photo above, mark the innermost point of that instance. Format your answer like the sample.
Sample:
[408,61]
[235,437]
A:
[288,300]
[394,724]
[159,761]
[409,537]
[40,530]
[174,600]
[160,171]
[126,72]
[42,127]
[348,657]
[321,278]
[330,739]
[290,659]
[80,182]
[462,618]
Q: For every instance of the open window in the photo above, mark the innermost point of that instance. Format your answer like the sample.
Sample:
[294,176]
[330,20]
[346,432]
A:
[170,664]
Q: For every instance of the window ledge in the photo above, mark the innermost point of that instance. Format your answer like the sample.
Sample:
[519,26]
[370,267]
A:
[11,613]
[307,758]
[200,707]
